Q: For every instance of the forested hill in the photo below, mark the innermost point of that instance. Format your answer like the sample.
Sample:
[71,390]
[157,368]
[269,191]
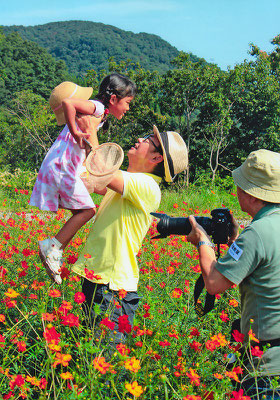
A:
[85,45]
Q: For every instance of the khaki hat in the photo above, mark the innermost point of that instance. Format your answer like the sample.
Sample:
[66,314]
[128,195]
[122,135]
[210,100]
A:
[67,90]
[259,175]
[175,154]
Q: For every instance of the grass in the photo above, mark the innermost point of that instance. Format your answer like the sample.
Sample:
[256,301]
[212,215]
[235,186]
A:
[47,352]
[184,202]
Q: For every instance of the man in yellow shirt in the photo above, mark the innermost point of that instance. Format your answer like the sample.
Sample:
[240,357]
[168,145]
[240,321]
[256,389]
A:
[108,261]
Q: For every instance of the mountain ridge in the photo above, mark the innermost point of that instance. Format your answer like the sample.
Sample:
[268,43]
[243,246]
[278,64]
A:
[85,45]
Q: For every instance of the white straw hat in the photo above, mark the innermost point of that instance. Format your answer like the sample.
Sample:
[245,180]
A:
[63,91]
[175,153]
[259,175]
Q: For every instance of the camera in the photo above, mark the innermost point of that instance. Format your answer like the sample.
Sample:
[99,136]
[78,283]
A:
[219,227]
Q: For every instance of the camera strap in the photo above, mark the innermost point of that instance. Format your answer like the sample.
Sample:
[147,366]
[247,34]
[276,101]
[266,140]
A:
[209,299]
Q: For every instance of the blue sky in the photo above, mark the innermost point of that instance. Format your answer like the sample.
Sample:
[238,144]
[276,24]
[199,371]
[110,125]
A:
[218,30]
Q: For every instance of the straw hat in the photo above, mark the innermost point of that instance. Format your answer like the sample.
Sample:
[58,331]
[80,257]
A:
[63,91]
[175,154]
[259,175]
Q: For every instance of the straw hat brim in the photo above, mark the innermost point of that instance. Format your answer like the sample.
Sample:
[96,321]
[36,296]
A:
[83,93]
[177,153]
[168,176]
[265,194]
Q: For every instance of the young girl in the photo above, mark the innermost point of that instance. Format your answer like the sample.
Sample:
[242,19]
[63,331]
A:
[58,183]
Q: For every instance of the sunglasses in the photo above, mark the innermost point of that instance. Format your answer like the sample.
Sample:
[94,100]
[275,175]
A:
[158,148]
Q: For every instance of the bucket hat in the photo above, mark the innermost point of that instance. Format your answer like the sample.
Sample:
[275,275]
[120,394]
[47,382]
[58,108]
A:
[259,175]
[63,91]
[175,154]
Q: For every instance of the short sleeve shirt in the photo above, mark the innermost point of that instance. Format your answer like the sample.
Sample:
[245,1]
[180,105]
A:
[253,263]
[121,224]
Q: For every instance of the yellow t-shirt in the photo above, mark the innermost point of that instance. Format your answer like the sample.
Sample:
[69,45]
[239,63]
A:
[121,224]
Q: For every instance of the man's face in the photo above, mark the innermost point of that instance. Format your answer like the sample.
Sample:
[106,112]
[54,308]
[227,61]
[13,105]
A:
[242,199]
[145,148]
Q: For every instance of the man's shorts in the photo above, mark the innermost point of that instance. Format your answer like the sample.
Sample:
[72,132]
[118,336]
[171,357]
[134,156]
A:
[100,300]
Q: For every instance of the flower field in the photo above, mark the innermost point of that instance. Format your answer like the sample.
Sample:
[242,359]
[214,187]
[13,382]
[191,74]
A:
[48,352]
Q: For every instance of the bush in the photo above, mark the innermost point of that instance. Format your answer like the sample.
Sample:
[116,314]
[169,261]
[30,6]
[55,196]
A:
[15,187]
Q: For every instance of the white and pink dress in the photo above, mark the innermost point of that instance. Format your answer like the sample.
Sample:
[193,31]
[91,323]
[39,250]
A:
[58,184]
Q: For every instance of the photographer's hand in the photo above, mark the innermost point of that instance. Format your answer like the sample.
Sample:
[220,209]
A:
[235,229]
[197,233]
[214,281]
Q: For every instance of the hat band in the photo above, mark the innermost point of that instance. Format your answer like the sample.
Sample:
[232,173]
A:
[69,97]
[164,138]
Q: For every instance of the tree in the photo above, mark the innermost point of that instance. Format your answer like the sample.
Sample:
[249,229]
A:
[29,129]
[273,57]
[26,66]
[216,132]
[254,91]
[182,95]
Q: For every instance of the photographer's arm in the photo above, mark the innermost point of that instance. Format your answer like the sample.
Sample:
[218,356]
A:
[214,281]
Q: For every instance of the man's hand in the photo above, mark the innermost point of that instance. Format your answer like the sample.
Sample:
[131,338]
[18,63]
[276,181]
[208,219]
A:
[214,281]
[197,233]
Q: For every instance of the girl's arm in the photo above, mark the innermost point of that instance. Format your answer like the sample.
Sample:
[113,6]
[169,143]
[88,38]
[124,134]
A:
[73,106]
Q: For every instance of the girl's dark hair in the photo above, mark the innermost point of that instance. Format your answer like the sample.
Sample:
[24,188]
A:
[117,84]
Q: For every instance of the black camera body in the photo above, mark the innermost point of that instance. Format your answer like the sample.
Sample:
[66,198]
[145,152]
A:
[219,227]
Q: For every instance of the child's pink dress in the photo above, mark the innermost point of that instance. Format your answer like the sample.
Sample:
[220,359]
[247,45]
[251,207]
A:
[58,183]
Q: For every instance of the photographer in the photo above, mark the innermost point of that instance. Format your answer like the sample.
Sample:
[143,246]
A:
[253,263]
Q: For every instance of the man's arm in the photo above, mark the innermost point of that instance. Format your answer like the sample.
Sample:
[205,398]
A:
[117,182]
[214,281]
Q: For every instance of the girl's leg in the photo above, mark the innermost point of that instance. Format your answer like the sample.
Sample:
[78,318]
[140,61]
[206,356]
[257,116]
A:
[51,249]
[71,227]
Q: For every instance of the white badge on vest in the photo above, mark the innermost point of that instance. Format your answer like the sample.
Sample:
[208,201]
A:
[235,251]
